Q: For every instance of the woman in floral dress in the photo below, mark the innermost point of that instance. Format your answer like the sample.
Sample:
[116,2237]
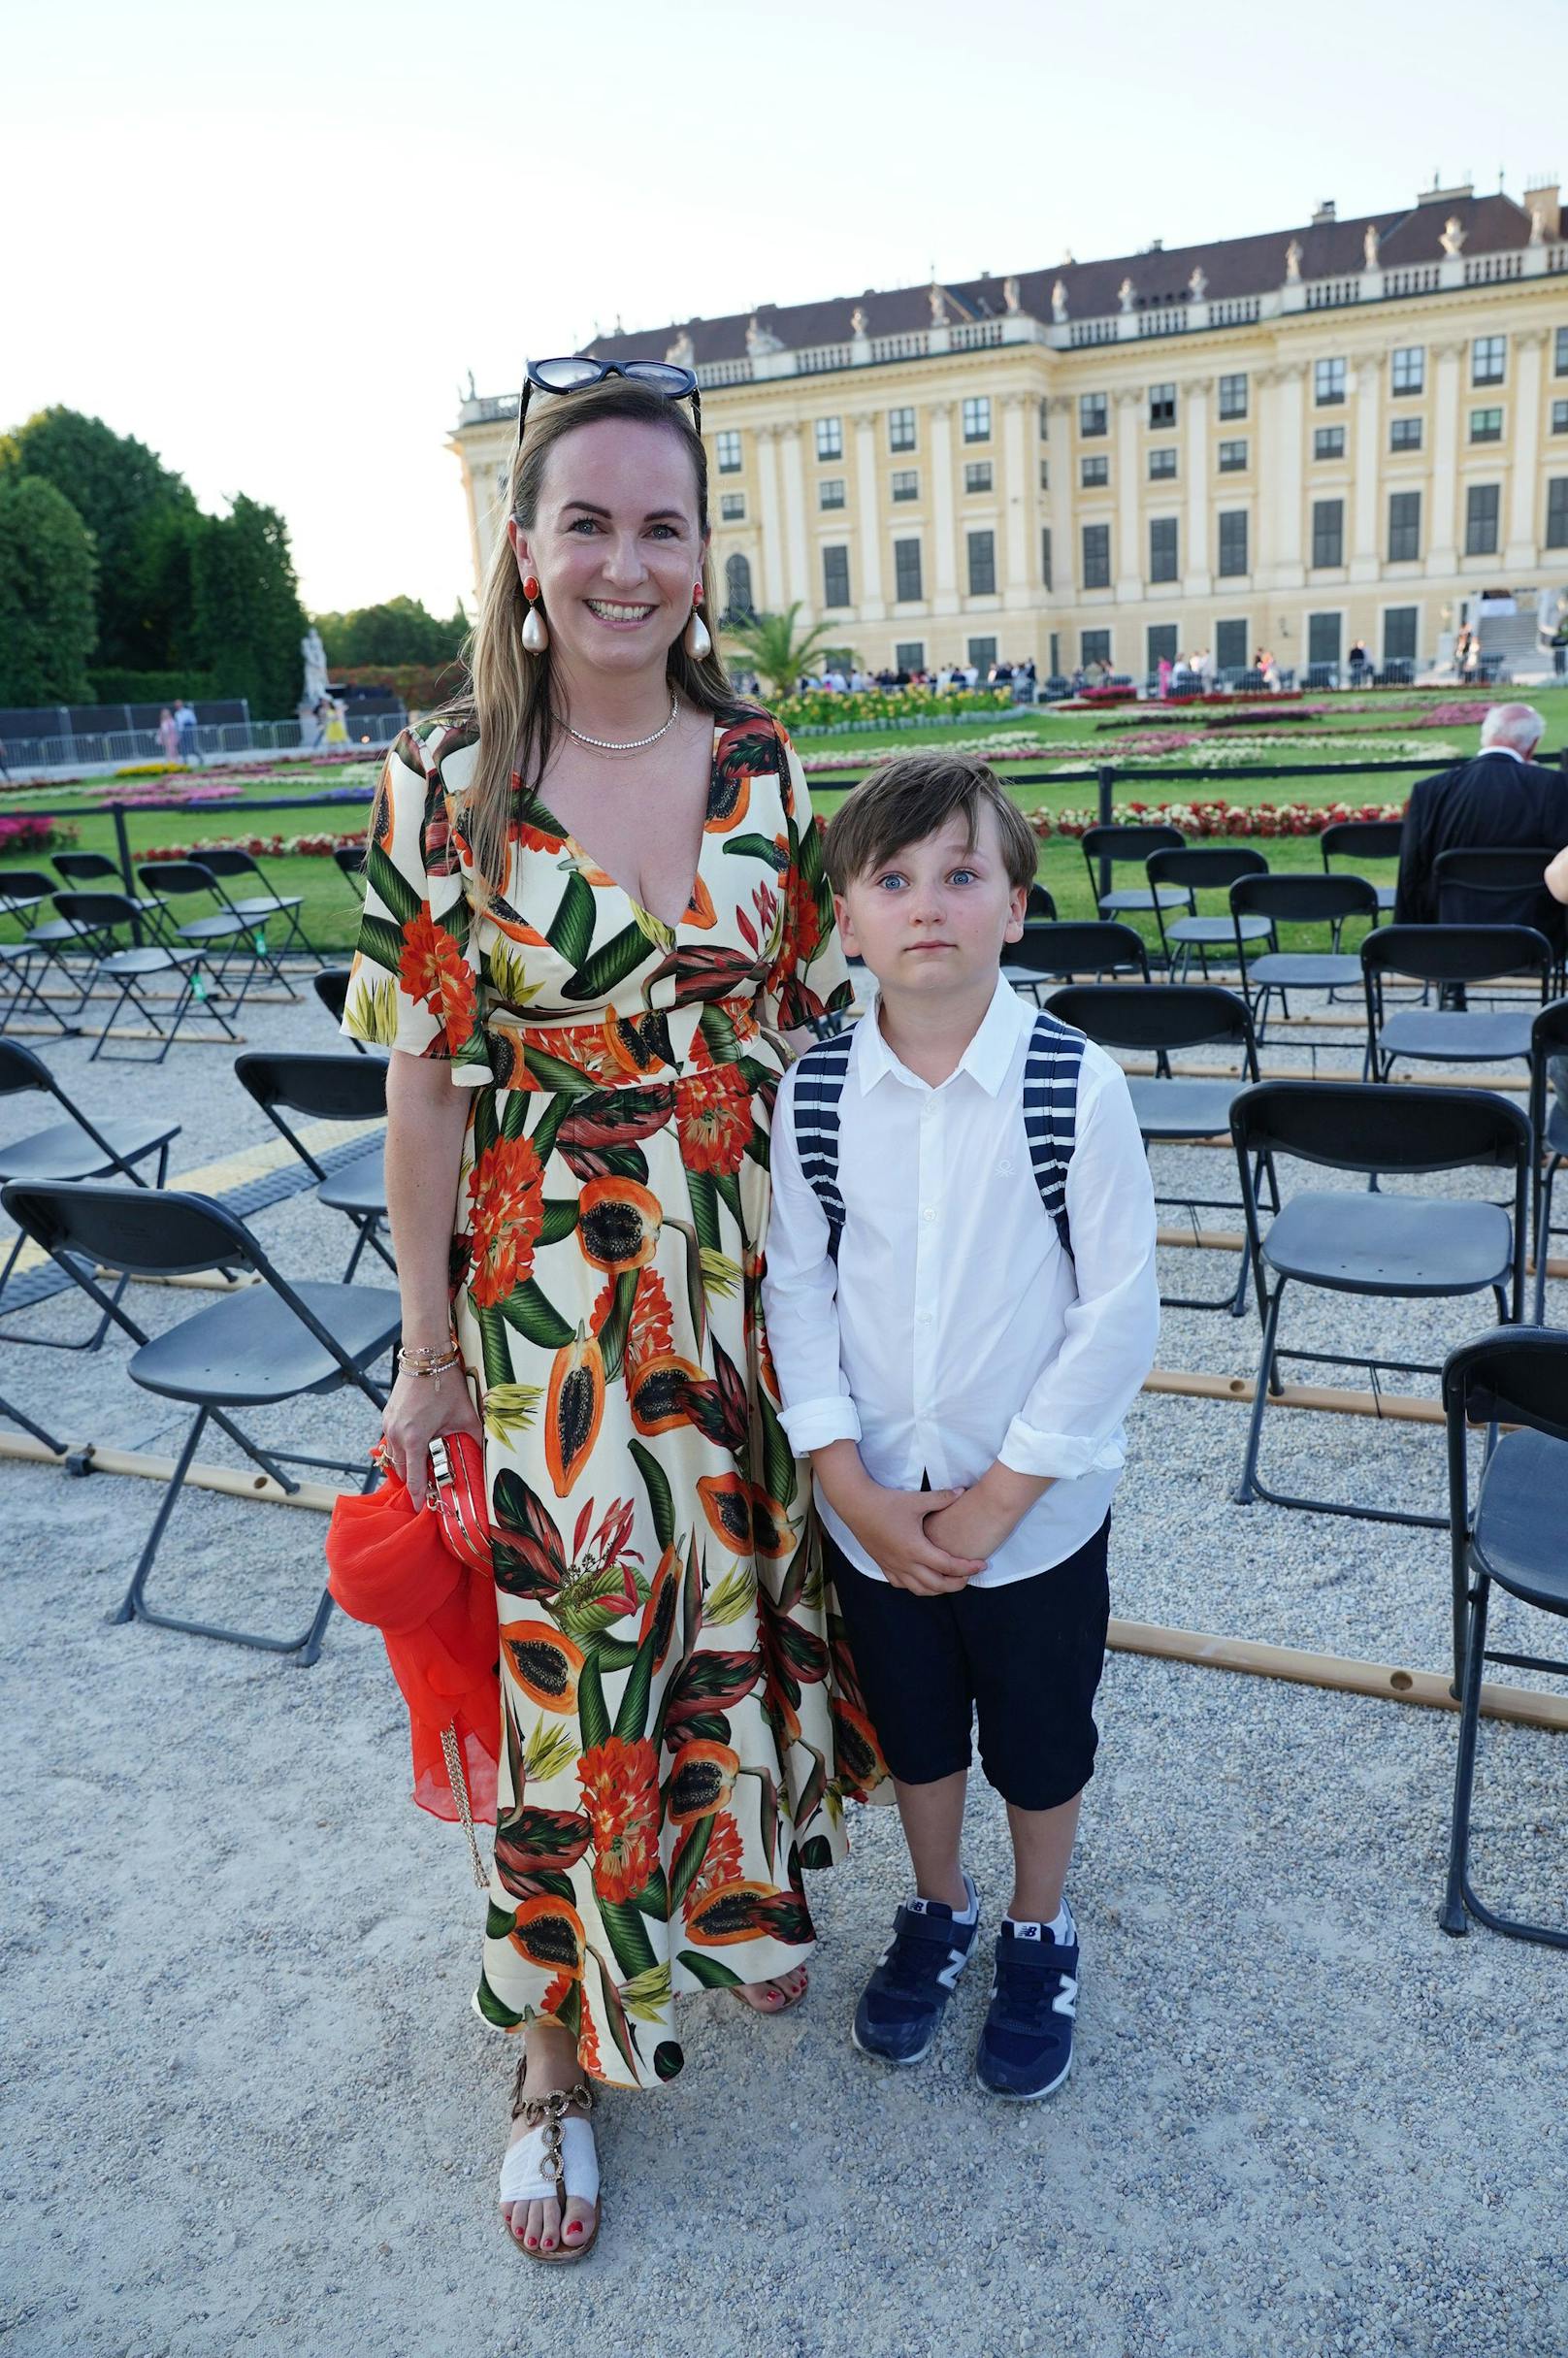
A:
[586,952]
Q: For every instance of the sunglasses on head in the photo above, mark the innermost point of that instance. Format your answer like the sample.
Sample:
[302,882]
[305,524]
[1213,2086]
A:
[571,375]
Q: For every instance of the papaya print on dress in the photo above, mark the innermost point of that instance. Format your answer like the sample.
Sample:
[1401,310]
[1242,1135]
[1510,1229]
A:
[681,1722]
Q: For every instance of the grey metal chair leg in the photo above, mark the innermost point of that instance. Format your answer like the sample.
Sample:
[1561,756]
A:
[14,1415]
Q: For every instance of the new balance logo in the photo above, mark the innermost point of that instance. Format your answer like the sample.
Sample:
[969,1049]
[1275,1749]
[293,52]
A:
[957,1959]
[1066,2001]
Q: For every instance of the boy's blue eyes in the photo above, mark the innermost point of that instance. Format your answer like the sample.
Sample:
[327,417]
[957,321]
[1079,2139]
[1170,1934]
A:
[956,875]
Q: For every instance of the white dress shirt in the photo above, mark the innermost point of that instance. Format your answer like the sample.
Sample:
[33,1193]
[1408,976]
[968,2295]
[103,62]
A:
[955,1330]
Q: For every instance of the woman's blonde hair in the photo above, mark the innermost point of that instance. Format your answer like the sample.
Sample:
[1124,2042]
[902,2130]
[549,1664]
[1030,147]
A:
[510,696]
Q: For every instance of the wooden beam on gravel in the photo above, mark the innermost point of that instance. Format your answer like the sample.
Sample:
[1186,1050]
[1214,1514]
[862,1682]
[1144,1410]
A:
[1338,1674]
[1222,1240]
[1391,1407]
[1277,1072]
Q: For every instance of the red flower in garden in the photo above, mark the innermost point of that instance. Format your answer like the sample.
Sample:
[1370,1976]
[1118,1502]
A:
[506,1190]
[433,971]
[722,1862]
[620,1792]
[713,1114]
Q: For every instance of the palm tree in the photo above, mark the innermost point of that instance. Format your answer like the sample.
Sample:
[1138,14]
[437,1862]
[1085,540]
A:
[769,644]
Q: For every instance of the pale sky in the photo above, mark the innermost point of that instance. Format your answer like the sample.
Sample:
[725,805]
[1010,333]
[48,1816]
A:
[273,242]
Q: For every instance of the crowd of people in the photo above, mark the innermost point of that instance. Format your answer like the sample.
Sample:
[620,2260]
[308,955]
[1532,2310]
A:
[948,678]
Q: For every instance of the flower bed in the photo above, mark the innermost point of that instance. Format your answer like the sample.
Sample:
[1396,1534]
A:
[825,708]
[1215,818]
[260,847]
[33,835]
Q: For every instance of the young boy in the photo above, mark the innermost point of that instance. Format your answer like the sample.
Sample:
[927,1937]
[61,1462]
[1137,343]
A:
[961,1304]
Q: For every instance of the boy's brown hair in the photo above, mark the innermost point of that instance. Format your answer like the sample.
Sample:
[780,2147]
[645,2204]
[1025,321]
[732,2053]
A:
[912,796]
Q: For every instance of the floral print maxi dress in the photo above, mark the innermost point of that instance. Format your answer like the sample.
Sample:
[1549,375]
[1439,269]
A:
[681,1722]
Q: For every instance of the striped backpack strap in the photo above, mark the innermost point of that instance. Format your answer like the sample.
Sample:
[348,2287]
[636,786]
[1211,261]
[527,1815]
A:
[819,1083]
[1051,1067]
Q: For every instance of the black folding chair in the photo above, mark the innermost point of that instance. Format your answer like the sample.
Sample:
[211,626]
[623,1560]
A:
[1499,885]
[1448,955]
[330,1089]
[258,1347]
[1040,908]
[77,1148]
[23,891]
[234,868]
[1204,868]
[128,971]
[23,1001]
[349,861]
[331,987]
[219,932]
[1300,900]
[1171,1110]
[1549,1119]
[1514,1538]
[1360,840]
[82,871]
[1407,1247]
[1122,846]
[1056,951]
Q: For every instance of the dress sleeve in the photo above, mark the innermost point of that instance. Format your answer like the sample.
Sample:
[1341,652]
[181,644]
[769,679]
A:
[413,984]
[809,976]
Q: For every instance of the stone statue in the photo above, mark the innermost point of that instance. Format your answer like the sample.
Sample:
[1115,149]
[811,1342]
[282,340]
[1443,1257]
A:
[314,658]
[857,321]
[1453,238]
[1292,261]
[938,304]
[1059,302]
[1198,285]
[1010,294]
[1125,294]
[1369,246]
[1538,226]
[760,338]
[683,353]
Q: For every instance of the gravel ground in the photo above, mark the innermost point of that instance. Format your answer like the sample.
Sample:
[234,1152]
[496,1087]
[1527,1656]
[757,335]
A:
[249,2109]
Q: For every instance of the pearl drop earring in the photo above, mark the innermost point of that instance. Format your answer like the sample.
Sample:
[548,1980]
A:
[535,634]
[698,642]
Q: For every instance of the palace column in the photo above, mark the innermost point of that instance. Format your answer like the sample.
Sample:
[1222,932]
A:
[1129,568]
[1442,549]
[1278,562]
[1017,505]
[1197,560]
[1063,540]
[944,597]
[773,594]
[1523,527]
[870,604]
[1366,455]
[797,575]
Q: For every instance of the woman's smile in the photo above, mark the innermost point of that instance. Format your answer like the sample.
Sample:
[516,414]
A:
[617,615]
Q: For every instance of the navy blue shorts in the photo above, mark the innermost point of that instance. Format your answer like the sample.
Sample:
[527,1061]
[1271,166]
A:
[1027,1658]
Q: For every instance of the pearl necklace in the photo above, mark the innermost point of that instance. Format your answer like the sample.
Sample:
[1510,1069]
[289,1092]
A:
[603,744]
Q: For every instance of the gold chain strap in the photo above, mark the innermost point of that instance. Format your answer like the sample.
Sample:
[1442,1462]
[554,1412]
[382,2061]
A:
[548,2113]
[458,1781]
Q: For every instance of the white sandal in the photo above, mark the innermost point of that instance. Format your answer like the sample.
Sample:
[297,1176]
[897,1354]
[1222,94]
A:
[535,2169]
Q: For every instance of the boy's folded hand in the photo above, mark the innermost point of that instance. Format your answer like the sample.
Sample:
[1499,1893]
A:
[891,1526]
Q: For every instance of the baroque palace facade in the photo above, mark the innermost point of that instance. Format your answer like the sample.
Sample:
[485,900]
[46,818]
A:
[1295,440]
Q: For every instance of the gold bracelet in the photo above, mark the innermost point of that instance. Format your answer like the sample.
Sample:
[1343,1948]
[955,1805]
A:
[422,1360]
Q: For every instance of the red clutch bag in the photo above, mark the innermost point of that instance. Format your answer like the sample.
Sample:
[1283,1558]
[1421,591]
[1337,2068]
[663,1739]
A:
[459,1499]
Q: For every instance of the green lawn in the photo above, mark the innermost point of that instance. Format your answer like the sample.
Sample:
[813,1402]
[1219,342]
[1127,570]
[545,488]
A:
[331,903]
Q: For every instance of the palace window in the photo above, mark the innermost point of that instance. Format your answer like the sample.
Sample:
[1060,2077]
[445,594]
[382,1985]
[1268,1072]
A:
[1489,356]
[1163,550]
[731,507]
[900,429]
[1233,458]
[1161,406]
[1045,474]
[1096,556]
[1094,472]
[1557,512]
[1328,441]
[831,491]
[1559,353]
[982,563]
[1407,372]
[1327,532]
[829,438]
[1559,418]
[1405,434]
[977,417]
[1045,556]
[1162,464]
[727,450]
[1322,638]
[1093,415]
[1486,425]
[909,655]
[907,571]
[1230,645]
[835,577]
[1481,506]
[905,483]
[1233,557]
[1233,395]
[1094,646]
[1404,526]
[977,475]
[1399,627]
[737,585]
[1327,382]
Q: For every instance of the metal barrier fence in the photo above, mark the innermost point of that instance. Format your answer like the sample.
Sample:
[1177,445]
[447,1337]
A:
[218,741]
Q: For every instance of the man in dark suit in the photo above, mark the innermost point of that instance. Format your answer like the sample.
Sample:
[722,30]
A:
[1502,797]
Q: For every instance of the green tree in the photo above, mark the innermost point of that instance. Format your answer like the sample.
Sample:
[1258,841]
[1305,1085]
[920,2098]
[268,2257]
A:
[246,619]
[399,631]
[47,620]
[770,646]
[124,494]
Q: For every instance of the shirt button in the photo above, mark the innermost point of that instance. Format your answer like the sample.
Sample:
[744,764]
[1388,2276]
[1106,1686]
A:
[927,1109]
[923,1318]
[928,1212]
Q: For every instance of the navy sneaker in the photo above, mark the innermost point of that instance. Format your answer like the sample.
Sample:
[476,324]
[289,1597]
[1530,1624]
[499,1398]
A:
[903,2004]
[1025,2047]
